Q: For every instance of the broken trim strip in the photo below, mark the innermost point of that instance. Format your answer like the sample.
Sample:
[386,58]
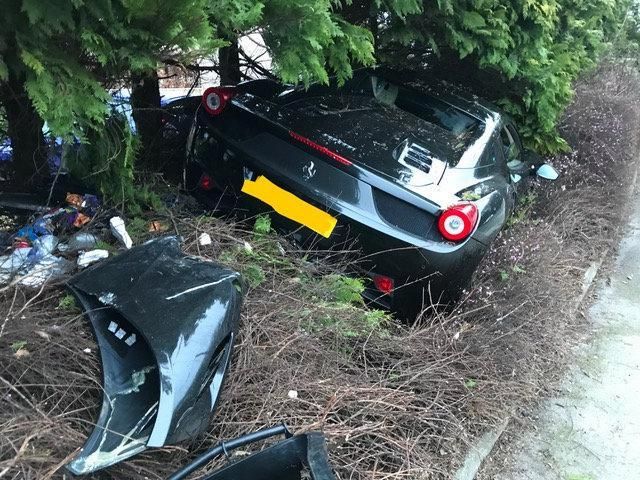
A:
[290,206]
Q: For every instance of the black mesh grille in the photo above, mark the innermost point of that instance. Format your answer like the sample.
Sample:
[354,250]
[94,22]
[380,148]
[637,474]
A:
[405,216]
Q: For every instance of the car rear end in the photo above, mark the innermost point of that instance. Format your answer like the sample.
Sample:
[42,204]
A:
[379,185]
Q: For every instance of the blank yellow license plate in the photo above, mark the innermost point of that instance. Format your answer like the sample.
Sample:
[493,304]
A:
[290,206]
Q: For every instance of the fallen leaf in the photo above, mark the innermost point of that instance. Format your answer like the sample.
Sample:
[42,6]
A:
[23,352]
[43,334]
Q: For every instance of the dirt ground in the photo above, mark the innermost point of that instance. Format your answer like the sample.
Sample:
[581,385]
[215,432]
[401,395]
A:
[395,402]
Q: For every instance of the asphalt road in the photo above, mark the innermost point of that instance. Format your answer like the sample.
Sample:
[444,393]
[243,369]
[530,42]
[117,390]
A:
[591,431]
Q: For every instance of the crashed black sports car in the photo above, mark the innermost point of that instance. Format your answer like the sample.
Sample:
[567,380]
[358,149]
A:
[419,178]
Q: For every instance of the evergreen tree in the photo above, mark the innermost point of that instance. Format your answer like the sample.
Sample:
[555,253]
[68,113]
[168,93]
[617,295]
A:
[56,56]
[523,54]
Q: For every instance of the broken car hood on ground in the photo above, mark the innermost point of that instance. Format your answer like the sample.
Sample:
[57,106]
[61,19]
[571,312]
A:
[165,325]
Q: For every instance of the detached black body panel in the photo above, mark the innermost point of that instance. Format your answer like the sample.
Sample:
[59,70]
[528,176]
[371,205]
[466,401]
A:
[165,325]
[297,458]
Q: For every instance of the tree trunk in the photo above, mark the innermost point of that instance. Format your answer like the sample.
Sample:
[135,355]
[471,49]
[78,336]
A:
[229,58]
[25,132]
[147,113]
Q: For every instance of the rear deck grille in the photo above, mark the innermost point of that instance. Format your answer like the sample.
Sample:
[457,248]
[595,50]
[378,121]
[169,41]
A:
[418,157]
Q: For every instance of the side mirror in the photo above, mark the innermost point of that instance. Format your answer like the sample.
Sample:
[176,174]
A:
[547,172]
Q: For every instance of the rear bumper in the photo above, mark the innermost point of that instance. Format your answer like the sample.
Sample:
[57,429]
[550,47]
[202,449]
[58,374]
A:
[421,276]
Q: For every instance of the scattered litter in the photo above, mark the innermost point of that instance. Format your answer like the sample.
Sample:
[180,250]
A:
[204,239]
[42,247]
[81,241]
[32,232]
[48,268]
[13,263]
[87,350]
[74,199]
[33,260]
[293,394]
[120,232]
[87,258]
[88,203]
[157,226]
[80,220]
[247,247]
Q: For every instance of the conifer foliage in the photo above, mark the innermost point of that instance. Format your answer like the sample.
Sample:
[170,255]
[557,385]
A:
[58,57]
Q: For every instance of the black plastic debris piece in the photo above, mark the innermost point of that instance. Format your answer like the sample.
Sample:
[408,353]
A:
[300,457]
[165,326]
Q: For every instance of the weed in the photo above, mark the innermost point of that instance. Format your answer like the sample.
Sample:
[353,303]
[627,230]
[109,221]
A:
[19,345]
[229,256]
[102,245]
[470,196]
[376,319]
[343,289]
[253,274]
[262,225]
[505,275]
[523,209]
[138,228]
[470,383]
[517,269]
[68,303]
[340,319]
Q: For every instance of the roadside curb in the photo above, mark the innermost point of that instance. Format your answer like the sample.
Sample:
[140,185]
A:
[484,445]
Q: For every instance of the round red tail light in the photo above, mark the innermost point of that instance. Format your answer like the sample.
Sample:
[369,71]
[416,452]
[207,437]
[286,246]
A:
[383,283]
[457,222]
[215,99]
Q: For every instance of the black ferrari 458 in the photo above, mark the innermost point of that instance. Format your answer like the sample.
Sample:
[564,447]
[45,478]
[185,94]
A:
[419,179]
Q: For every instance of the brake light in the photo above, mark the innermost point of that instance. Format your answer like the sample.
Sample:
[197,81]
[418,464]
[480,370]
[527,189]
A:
[324,150]
[457,222]
[206,182]
[383,284]
[215,99]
